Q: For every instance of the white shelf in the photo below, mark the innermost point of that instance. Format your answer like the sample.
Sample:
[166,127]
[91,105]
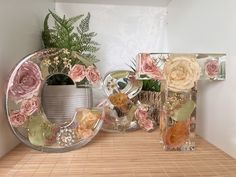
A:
[161,3]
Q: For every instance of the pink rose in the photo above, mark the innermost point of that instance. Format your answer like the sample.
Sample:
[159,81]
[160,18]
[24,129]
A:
[77,73]
[212,68]
[93,75]
[145,124]
[141,114]
[147,66]
[26,82]
[17,119]
[28,107]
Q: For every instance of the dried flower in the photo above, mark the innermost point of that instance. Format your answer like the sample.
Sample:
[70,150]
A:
[47,62]
[175,136]
[17,119]
[119,99]
[56,61]
[28,107]
[147,66]
[77,73]
[66,137]
[93,75]
[212,68]
[27,81]
[181,73]
[141,114]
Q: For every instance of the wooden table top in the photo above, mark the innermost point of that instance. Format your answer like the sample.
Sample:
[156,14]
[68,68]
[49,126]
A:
[134,154]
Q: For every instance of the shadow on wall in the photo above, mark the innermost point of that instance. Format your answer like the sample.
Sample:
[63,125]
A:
[20,34]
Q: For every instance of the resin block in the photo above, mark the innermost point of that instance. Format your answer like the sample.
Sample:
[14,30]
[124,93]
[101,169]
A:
[178,120]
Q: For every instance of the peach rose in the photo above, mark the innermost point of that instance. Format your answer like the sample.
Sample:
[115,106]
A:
[93,75]
[84,133]
[28,107]
[77,73]
[147,66]
[17,119]
[212,68]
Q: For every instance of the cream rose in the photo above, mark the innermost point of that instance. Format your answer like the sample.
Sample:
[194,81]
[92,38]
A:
[181,73]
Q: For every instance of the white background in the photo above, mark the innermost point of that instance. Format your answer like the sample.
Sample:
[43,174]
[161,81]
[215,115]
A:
[123,31]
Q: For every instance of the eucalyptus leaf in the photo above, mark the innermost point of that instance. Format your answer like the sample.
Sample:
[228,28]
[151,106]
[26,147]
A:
[44,70]
[38,130]
[120,74]
[184,112]
[130,115]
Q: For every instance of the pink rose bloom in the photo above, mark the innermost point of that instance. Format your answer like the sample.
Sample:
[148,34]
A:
[141,114]
[147,66]
[26,82]
[93,75]
[145,124]
[28,107]
[77,73]
[212,68]
[17,119]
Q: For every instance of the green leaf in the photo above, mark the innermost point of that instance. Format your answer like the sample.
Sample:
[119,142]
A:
[46,32]
[84,25]
[82,59]
[37,131]
[130,115]
[73,20]
[184,112]
[120,74]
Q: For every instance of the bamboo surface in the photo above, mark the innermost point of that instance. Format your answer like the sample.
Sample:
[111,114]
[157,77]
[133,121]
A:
[134,154]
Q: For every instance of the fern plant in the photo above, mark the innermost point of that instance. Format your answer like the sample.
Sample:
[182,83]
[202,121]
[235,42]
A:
[65,35]
[148,85]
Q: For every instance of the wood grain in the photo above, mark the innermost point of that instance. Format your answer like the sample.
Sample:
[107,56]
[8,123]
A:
[136,154]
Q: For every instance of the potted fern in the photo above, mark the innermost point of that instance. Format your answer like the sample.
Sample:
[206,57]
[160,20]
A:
[62,93]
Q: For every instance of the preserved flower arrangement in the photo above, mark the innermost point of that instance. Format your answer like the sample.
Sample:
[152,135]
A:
[26,114]
[179,74]
[150,93]
[77,49]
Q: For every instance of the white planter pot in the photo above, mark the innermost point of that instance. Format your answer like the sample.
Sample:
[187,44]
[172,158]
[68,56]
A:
[60,101]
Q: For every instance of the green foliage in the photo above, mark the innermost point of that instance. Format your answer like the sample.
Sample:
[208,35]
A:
[148,85]
[77,40]
[151,85]
[63,35]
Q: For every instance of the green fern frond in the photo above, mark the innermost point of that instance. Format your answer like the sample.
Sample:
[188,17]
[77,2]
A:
[84,25]
[62,35]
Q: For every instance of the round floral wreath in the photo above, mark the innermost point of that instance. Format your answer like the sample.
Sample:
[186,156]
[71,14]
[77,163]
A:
[25,113]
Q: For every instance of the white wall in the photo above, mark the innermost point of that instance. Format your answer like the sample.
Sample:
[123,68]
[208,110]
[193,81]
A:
[160,3]
[209,26]
[20,34]
[123,30]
